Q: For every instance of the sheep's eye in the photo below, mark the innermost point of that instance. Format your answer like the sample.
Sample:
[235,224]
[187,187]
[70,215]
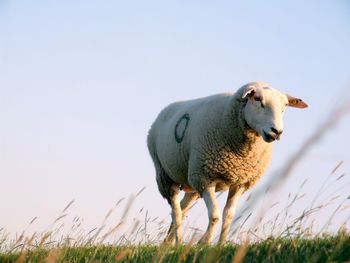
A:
[259,100]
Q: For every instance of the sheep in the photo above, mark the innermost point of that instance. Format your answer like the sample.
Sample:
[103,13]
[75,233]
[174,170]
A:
[217,143]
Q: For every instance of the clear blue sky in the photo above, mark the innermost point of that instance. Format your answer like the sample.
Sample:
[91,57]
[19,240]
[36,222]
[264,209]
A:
[82,81]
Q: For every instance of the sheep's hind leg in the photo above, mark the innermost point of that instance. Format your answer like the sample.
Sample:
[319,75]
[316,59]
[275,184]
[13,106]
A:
[229,212]
[186,204]
[213,213]
[176,213]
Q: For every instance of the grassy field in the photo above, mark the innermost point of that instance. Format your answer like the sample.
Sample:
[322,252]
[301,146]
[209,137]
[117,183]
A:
[324,249]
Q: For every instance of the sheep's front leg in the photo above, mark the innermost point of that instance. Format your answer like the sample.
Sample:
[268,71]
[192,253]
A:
[176,212]
[213,213]
[229,212]
[186,203]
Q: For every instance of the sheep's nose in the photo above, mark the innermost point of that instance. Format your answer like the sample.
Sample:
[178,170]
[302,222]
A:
[276,132]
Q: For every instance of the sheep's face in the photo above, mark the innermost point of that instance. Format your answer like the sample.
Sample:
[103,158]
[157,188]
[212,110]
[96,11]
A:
[265,107]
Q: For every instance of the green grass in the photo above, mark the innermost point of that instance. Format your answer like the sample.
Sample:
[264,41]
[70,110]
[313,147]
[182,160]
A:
[323,249]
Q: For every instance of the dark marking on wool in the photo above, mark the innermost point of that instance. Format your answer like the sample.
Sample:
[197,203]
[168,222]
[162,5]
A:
[180,130]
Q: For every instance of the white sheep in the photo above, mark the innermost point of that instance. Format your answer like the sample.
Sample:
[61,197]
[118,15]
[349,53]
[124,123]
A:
[216,143]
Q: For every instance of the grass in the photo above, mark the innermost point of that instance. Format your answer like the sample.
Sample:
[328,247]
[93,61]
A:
[284,237]
[322,249]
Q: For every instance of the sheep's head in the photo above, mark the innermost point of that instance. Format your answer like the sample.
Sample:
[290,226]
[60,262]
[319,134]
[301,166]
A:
[264,109]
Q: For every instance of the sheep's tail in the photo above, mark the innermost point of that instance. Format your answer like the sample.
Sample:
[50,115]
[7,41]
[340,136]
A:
[164,182]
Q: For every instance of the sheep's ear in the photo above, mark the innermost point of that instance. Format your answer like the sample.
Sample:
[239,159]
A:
[248,91]
[296,102]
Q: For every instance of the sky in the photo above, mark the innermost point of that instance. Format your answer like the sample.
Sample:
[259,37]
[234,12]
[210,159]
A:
[82,81]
